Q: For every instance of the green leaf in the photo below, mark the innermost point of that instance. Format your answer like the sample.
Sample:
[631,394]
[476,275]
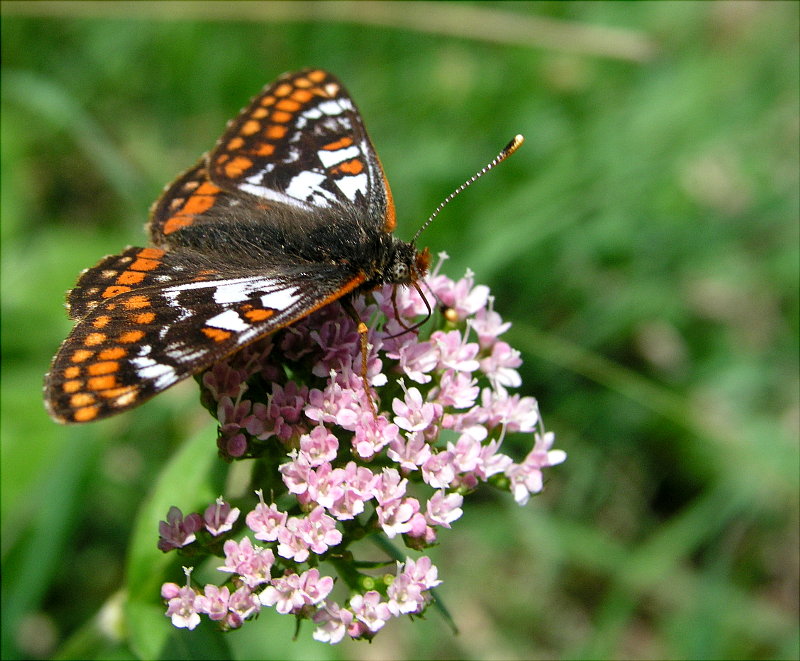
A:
[185,482]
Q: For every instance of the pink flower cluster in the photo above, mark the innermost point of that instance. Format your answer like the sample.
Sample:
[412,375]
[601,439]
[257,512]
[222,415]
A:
[345,463]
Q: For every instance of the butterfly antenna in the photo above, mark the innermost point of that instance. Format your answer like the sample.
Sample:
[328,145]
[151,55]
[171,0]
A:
[509,149]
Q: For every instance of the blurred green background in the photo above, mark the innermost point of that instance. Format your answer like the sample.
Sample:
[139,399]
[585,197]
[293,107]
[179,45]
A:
[644,242]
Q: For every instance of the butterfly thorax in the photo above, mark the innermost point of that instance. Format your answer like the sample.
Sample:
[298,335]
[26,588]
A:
[244,239]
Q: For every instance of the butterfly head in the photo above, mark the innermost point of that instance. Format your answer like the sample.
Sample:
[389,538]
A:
[405,264]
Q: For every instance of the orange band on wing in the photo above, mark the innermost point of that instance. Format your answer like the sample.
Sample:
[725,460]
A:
[390,221]
[360,279]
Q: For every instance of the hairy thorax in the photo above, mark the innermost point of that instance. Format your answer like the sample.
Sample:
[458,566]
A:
[339,237]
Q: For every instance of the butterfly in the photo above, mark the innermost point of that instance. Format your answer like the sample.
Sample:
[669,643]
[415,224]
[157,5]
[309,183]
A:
[289,212]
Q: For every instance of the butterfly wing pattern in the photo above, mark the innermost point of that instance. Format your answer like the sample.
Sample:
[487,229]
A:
[289,212]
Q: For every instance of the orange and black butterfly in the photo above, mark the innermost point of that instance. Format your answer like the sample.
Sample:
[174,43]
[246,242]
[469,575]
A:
[289,212]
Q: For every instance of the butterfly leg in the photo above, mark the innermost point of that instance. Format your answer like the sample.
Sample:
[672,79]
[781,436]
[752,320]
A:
[362,332]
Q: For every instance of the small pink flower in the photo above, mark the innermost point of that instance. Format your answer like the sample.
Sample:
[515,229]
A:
[292,542]
[488,325]
[233,445]
[418,527]
[360,480]
[232,419]
[251,563]
[220,517]
[242,604]
[466,453]
[319,531]
[337,340]
[370,610]
[285,593]
[230,413]
[373,434]
[395,517]
[315,587]
[405,596]
[390,486]
[408,302]
[526,478]
[213,602]
[457,389]
[492,461]
[421,571]
[461,296]
[222,380]
[181,607]
[438,471]
[418,360]
[455,352]
[325,485]
[265,520]
[336,404]
[442,509]
[518,414]
[292,592]
[297,473]
[258,423]
[332,623]
[285,408]
[319,446]
[358,483]
[413,414]
[500,366]
[176,531]
[410,454]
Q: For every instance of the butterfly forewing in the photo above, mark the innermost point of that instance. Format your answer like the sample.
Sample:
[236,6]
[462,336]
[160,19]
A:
[302,142]
[184,202]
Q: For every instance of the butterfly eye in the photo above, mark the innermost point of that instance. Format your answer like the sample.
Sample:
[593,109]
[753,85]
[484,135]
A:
[400,272]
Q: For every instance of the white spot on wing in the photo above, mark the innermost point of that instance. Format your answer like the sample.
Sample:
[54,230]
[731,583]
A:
[303,118]
[311,113]
[329,158]
[352,184]
[305,185]
[228,320]
[236,292]
[183,353]
[225,291]
[271,194]
[335,107]
[150,370]
[280,299]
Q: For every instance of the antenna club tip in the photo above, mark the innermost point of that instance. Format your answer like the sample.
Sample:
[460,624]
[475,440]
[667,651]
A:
[513,145]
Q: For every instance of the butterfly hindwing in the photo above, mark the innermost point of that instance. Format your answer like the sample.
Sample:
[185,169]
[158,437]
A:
[134,268]
[135,344]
